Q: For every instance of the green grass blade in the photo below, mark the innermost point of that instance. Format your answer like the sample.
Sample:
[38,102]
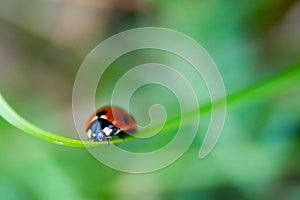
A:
[16,120]
[258,91]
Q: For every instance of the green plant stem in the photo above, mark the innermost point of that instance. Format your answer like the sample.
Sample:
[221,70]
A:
[16,120]
[263,89]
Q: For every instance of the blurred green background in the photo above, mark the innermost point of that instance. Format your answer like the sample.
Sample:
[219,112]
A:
[42,45]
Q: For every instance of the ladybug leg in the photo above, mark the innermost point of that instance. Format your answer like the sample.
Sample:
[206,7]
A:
[107,138]
[122,135]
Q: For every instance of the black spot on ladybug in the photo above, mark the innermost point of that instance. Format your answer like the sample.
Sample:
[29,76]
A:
[126,120]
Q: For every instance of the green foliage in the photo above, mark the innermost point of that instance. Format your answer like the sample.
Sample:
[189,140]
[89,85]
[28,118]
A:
[253,43]
[264,89]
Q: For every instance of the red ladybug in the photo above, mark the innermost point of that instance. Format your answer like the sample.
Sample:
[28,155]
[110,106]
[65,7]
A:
[109,121]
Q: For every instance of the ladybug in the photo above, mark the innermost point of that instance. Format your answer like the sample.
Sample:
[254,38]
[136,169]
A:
[109,121]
